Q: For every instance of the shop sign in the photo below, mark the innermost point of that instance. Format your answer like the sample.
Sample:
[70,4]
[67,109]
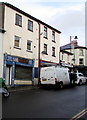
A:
[21,60]
[18,60]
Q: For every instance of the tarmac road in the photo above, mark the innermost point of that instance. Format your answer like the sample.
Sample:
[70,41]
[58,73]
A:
[46,103]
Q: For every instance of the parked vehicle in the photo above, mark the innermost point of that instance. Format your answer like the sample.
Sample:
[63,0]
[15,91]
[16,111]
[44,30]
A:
[3,88]
[81,79]
[55,75]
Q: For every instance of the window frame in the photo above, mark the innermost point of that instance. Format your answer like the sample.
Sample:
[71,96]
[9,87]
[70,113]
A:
[19,43]
[81,52]
[53,36]
[30,42]
[81,62]
[18,20]
[30,26]
[45,32]
[45,49]
[53,52]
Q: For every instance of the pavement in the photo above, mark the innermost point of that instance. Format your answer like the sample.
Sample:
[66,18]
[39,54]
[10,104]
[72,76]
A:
[20,88]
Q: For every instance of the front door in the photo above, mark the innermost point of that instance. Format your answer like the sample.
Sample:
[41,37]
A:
[8,75]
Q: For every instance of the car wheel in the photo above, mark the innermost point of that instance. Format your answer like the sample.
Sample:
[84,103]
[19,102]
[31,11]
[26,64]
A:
[80,82]
[6,94]
[61,85]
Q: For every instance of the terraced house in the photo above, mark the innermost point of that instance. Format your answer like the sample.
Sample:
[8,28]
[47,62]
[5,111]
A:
[26,43]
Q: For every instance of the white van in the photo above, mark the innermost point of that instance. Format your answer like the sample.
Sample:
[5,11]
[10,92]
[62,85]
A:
[54,75]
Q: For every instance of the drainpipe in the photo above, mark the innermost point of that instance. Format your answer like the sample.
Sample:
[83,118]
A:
[39,64]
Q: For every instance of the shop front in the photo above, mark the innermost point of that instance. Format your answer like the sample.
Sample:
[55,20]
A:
[18,71]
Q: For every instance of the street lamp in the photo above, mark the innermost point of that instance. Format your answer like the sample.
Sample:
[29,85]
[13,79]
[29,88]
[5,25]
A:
[72,43]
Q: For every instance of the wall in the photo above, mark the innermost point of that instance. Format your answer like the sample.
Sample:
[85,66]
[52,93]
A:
[1,15]
[12,30]
[86,32]
[50,44]
[1,54]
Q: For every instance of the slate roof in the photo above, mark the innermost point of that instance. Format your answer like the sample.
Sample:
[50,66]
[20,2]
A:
[68,46]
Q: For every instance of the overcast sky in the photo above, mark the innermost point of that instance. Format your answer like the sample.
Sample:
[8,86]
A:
[68,17]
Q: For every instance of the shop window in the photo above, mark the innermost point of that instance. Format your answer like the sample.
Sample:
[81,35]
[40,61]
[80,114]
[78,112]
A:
[18,20]
[30,25]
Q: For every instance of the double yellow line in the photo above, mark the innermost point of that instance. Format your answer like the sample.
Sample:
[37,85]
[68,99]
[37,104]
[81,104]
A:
[79,115]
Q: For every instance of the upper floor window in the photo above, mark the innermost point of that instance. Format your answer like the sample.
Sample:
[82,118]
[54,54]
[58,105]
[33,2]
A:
[45,49]
[53,51]
[81,52]
[45,32]
[30,25]
[29,45]
[53,36]
[81,61]
[18,20]
[17,41]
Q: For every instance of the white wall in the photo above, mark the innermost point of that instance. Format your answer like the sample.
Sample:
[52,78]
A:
[50,44]
[12,30]
[86,32]
[23,32]
[1,54]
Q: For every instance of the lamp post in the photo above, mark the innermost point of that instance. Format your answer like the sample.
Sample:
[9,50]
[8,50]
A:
[72,45]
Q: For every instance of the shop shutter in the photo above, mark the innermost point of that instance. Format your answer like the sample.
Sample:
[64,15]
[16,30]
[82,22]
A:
[23,73]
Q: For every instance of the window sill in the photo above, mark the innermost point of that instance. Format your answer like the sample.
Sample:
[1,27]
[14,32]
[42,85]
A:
[53,56]
[45,37]
[18,25]
[29,51]
[44,53]
[30,30]
[53,41]
[17,47]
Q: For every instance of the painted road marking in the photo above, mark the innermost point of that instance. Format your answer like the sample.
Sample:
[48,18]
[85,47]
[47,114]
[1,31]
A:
[79,115]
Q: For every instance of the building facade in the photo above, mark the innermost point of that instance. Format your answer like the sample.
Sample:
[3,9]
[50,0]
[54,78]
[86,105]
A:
[27,43]
[77,56]
[86,31]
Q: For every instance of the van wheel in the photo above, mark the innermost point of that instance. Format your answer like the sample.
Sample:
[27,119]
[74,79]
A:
[80,82]
[61,85]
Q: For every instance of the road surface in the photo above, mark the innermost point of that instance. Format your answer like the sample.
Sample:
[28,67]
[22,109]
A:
[46,103]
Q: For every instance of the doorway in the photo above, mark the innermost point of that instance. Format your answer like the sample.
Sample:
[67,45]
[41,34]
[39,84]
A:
[8,74]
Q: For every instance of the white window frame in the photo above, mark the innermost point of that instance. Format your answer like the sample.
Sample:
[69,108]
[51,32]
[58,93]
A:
[30,25]
[81,52]
[53,36]
[18,20]
[53,51]
[19,39]
[45,32]
[29,50]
